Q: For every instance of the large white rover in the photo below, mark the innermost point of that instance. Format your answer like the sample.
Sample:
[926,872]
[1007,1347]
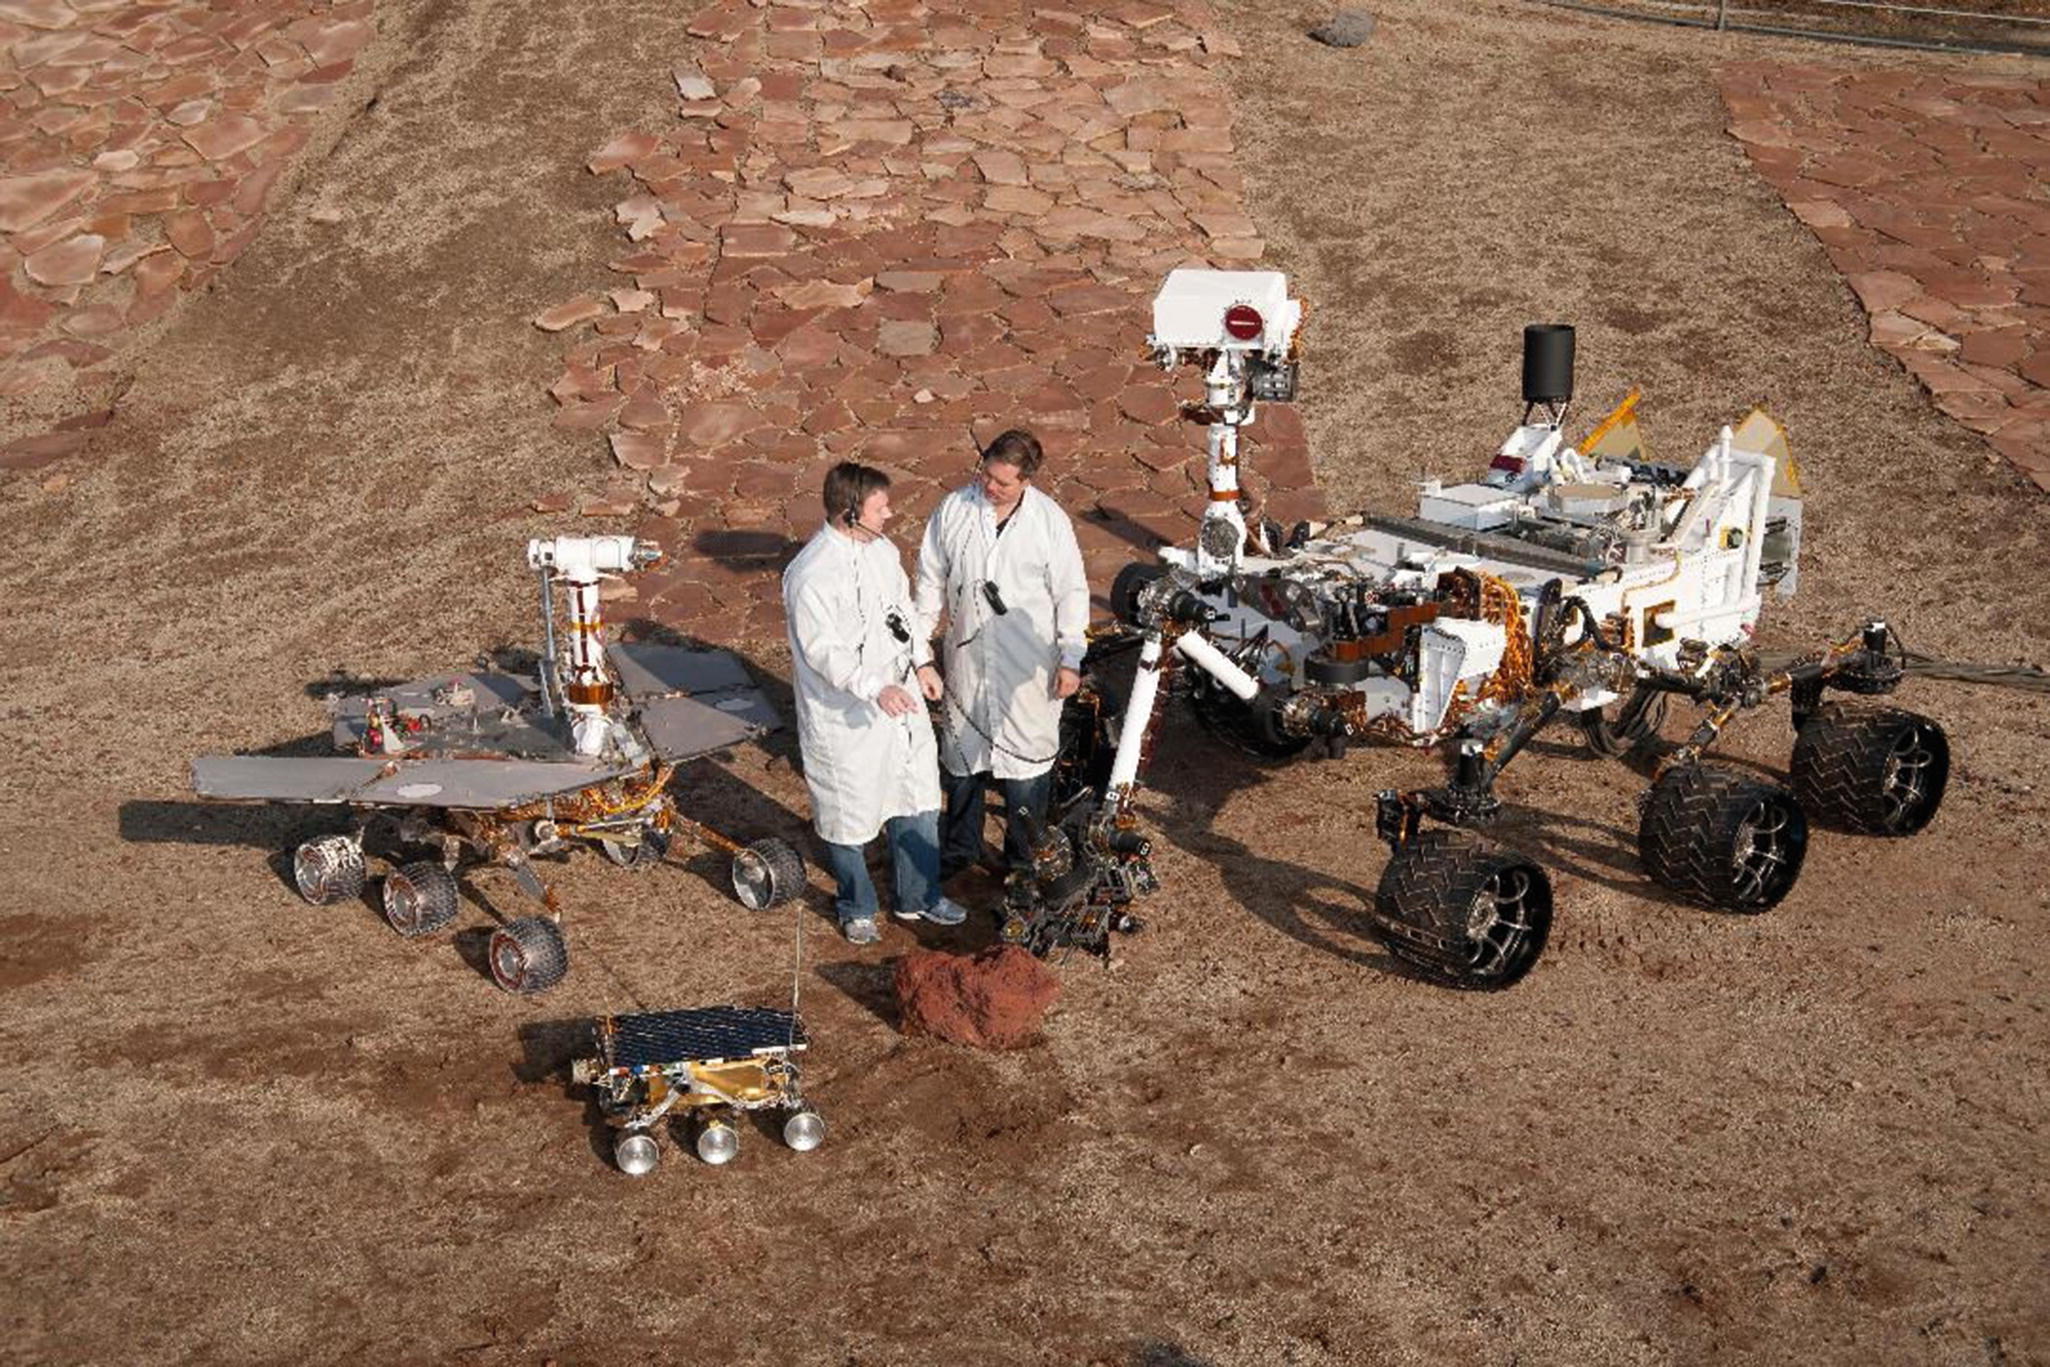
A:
[1587,582]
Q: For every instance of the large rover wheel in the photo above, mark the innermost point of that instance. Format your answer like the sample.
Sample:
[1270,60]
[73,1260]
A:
[1614,733]
[419,898]
[528,955]
[1463,913]
[1251,727]
[1088,747]
[1125,587]
[1722,838]
[1872,770]
[767,873]
[328,870]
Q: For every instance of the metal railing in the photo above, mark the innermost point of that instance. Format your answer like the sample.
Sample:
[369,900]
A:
[2022,28]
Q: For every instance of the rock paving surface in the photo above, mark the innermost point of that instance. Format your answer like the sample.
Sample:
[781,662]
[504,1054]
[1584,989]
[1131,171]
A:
[141,142]
[1926,187]
[888,231]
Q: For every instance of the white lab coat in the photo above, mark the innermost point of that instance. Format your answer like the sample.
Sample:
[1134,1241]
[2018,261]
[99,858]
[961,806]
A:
[863,766]
[1000,667]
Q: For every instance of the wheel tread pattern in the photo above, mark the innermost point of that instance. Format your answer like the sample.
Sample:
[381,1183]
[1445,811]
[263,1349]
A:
[341,869]
[437,889]
[543,951]
[1419,908]
[1689,827]
[1839,764]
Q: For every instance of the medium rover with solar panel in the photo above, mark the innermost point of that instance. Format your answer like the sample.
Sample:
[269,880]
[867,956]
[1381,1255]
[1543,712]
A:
[473,769]
[707,1065]
[1594,584]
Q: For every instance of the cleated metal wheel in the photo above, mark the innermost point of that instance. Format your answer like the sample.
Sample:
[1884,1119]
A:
[1463,913]
[1870,770]
[767,874]
[804,1130]
[644,853]
[1725,839]
[528,955]
[328,870]
[1614,732]
[636,1152]
[419,898]
[718,1143]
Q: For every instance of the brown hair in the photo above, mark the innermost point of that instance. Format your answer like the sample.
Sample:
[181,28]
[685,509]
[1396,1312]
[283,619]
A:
[848,486]
[1015,447]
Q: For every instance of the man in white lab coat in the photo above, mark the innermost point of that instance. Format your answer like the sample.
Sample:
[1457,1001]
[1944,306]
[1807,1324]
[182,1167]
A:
[1001,565]
[869,753]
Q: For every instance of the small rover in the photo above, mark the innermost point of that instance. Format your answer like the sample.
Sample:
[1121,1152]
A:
[709,1064]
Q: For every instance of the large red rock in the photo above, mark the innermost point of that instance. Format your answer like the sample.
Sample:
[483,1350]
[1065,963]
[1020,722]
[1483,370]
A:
[994,1000]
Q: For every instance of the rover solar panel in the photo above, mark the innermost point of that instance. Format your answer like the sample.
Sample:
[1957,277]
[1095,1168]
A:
[655,1039]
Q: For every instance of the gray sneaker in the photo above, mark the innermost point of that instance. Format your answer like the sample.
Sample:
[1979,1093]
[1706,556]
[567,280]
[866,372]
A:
[860,930]
[944,912]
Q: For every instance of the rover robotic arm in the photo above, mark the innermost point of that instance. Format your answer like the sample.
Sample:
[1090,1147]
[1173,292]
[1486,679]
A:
[1094,860]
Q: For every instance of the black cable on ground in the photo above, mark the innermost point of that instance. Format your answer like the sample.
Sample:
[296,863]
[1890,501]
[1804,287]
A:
[1817,35]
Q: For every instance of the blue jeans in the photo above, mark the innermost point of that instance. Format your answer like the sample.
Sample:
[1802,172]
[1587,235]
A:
[915,854]
[963,841]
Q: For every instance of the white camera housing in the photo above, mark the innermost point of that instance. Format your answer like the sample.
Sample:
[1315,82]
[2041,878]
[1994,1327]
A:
[1248,312]
[584,558]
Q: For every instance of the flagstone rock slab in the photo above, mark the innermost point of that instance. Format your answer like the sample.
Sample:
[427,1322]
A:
[150,135]
[887,233]
[1924,187]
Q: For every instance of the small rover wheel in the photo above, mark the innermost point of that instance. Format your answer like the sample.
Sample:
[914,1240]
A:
[328,870]
[1870,770]
[1463,913]
[636,1152]
[636,855]
[717,1141]
[419,898]
[767,873]
[1722,838]
[804,1130]
[528,955]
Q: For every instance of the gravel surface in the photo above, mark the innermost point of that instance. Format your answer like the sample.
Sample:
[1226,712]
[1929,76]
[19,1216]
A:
[237,1129]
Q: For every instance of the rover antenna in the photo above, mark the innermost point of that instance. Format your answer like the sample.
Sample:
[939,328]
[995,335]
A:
[547,670]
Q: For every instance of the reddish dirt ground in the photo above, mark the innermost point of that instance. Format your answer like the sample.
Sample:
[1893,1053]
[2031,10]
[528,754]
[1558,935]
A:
[239,1129]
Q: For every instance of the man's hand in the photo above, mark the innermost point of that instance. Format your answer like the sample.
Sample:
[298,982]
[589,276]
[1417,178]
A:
[896,701]
[1066,681]
[929,683]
